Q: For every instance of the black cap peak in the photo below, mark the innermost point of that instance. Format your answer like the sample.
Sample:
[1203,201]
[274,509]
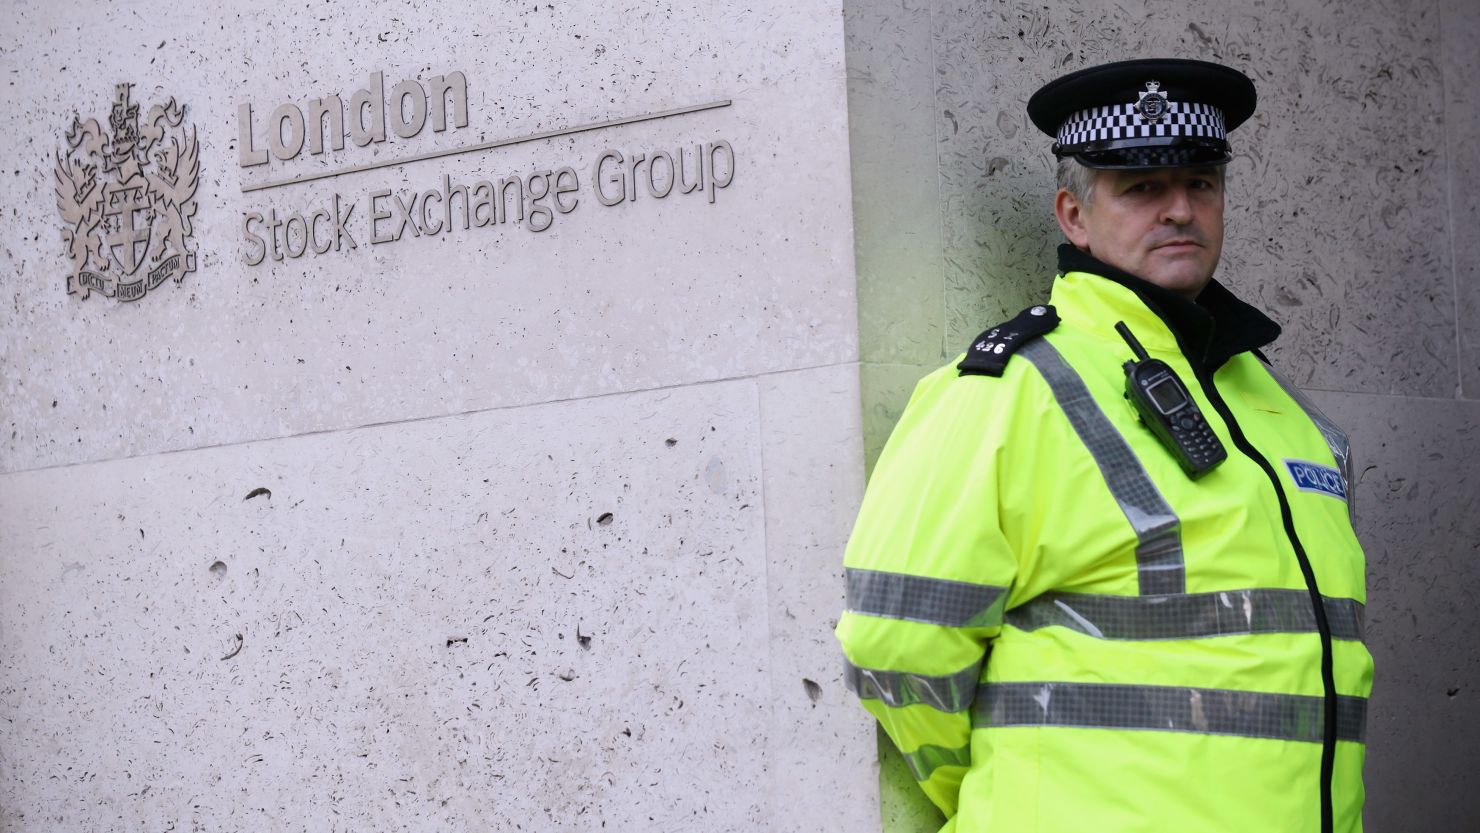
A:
[1147,113]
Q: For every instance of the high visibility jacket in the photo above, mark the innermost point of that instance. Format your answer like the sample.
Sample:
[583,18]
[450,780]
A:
[1063,631]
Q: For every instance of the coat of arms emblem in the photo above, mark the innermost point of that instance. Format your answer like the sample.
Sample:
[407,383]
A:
[127,197]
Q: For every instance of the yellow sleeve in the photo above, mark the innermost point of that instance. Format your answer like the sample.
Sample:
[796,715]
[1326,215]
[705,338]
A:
[928,575]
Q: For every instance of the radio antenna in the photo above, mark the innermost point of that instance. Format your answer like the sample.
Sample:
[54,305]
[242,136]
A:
[1125,333]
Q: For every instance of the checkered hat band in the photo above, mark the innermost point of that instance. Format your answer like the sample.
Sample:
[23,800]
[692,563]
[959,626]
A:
[1121,121]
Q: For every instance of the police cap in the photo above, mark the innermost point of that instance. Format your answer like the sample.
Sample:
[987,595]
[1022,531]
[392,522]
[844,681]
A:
[1151,113]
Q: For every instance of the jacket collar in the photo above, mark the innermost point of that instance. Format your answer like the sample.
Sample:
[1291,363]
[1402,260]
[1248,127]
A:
[1210,331]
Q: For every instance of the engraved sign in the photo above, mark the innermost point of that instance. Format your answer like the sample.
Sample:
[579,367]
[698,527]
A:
[126,197]
[440,204]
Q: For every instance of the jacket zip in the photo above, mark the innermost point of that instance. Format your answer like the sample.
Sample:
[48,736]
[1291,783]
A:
[1328,676]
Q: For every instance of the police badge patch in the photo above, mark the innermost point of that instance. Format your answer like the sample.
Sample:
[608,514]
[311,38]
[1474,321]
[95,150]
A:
[1152,105]
[127,198]
[1313,477]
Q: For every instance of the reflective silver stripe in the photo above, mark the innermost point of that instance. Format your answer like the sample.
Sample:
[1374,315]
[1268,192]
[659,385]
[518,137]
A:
[933,601]
[949,693]
[1158,532]
[1206,711]
[1336,439]
[927,759]
[1190,616]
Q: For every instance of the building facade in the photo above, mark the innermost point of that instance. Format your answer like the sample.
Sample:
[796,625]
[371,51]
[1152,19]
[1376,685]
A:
[428,418]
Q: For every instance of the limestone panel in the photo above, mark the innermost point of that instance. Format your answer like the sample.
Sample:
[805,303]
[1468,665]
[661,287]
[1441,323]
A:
[813,483]
[995,169]
[1462,123]
[1417,464]
[551,617]
[903,806]
[663,287]
[1331,206]
[886,390]
[896,181]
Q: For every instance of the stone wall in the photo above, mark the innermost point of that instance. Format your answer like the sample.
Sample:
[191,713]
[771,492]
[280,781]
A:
[536,520]
[480,518]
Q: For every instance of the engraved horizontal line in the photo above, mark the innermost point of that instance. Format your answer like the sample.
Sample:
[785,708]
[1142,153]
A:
[438,154]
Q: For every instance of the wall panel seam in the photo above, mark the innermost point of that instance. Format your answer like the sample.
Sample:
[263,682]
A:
[412,420]
[762,433]
[1445,86]
[940,215]
[1407,397]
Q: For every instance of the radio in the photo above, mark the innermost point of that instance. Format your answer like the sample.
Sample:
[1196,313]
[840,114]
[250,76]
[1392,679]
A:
[1165,406]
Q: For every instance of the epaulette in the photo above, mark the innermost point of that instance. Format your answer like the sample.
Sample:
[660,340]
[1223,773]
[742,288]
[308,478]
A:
[990,351]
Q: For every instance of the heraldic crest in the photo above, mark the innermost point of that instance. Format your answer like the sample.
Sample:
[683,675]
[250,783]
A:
[127,198]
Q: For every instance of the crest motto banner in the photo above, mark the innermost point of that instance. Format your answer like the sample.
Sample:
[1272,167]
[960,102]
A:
[127,196]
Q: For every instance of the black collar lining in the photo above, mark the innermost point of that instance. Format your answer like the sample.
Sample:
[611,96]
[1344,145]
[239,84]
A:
[1210,331]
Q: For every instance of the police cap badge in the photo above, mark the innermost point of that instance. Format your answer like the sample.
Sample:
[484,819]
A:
[1153,113]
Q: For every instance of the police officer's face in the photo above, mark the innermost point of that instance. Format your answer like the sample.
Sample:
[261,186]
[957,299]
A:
[1164,225]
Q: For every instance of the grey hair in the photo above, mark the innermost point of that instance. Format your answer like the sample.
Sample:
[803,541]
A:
[1077,179]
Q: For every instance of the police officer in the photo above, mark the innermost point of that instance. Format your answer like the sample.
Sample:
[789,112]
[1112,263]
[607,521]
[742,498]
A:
[1104,576]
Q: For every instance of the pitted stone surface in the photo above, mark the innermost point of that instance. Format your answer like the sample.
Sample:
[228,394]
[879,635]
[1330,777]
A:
[896,182]
[643,294]
[538,618]
[1461,27]
[811,450]
[1416,519]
